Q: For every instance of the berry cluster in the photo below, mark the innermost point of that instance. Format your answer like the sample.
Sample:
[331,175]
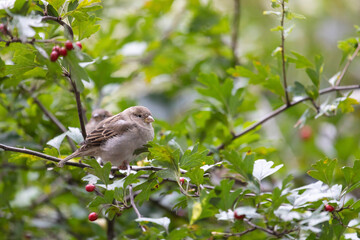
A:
[62,51]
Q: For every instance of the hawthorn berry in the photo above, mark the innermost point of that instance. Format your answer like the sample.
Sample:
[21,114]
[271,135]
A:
[182,180]
[63,51]
[90,187]
[56,48]
[79,44]
[239,217]
[329,208]
[3,28]
[93,216]
[69,46]
[54,56]
[305,133]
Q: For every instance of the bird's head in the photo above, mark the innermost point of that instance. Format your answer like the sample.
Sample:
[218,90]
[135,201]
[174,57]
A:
[100,114]
[141,114]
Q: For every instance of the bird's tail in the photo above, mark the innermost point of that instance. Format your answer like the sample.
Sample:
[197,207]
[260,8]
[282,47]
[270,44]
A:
[71,156]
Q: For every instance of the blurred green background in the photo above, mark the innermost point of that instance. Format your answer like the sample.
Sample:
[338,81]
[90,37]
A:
[151,53]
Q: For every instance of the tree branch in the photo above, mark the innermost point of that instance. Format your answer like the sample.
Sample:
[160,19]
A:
[32,41]
[283,53]
[78,104]
[61,22]
[41,155]
[282,109]
[347,65]
[55,121]
[50,116]
[226,235]
[110,232]
[131,194]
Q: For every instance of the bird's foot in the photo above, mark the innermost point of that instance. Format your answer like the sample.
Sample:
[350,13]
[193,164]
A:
[123,166]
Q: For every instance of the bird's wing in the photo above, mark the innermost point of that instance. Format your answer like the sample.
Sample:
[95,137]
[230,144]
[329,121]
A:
[108,128]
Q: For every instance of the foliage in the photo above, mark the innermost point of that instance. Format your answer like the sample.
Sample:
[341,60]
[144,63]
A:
[216,168]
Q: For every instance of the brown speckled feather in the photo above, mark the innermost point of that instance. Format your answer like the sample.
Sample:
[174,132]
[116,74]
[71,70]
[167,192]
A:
[107,129]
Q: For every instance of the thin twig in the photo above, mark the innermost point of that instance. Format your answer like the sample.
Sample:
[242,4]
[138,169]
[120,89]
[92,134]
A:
[347,65]
[226,235]
[131,194]
[61,22]
[258,227]
[235,32]
[55,121]
[283,53]
[50,116]
[41,155]
[32,41]
[151,168]
[78,104]
[282,109]
[315,105]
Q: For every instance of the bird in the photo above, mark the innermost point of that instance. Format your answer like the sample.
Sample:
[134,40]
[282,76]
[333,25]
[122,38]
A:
[116,138]
[96,116]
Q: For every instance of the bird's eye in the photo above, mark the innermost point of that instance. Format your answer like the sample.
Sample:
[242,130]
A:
[139,115]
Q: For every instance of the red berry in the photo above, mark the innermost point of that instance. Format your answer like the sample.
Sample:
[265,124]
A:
[93,216]
[182,180]
[63,51]
[239,217]
[3,28]
[305,133]
[54,56]
[329,208]
[69,45]
[90,187]
[79,44]
[56,48]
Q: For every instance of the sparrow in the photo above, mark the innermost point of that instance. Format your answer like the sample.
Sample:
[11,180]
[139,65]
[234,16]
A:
[96,116]
[116,138]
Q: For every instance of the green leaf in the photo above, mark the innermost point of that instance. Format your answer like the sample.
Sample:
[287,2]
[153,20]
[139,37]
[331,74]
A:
[56,3]
[226,195]
[324,170]
[165,156]
[195,210]
[346,105]
[147,188]
[86,27]
[313,75]
[112,211]
[109,196]
[195,158]
[164,221]
[75,134]
[98,200]
[240,165]
[300,61]
[196,176]
[352,176]
[100,172]
[132,178]
[56,141]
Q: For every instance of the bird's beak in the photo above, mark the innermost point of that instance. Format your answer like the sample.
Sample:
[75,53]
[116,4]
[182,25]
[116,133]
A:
[149,119]
[95,115]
